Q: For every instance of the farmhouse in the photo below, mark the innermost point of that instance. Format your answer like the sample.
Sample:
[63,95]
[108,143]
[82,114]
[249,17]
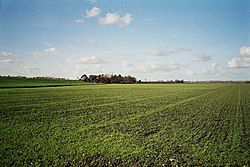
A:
[84,77]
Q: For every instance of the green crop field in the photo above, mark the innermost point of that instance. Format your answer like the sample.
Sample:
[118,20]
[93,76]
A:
[15,82]
[126,125]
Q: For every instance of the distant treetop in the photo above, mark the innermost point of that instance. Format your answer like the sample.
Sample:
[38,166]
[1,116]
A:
[104,78]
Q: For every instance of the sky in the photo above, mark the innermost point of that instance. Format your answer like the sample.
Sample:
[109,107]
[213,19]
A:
[150,40]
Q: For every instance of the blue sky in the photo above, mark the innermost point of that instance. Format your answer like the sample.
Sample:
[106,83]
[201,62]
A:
[153,40]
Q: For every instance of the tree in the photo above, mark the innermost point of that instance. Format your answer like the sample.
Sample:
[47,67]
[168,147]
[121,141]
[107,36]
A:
[129,79]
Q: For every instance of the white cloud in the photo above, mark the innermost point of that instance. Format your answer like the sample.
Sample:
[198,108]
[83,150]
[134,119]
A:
[51,50]
[95,11]
[7,61]
[46,52]
[239,63]
[157,66]
[245,51]
[10,61]
[159,52]
[202,57]
[243,61]
[127,64]
[5,54]
[79,21]
[184,49]
[165,52]
[31,69]
[212,70]
[114,18]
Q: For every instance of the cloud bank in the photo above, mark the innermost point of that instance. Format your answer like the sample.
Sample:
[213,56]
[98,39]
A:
[243,61]
[5,54]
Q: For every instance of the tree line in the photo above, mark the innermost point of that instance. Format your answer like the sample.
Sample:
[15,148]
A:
[104,78]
